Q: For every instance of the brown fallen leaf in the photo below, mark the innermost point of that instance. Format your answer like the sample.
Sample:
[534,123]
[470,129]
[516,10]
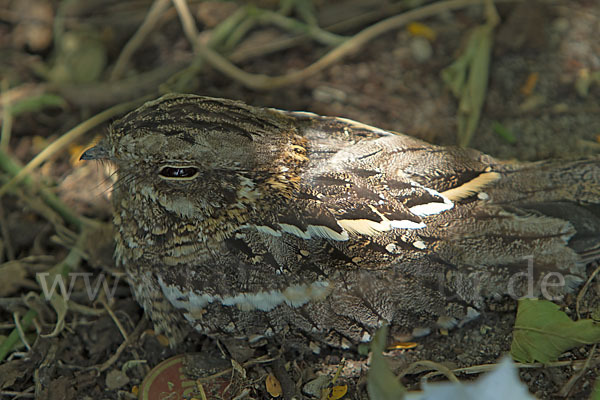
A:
[273,386]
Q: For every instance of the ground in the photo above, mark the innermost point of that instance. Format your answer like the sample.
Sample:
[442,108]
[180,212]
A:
[544,57]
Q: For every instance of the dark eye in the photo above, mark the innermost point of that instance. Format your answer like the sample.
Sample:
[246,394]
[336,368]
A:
[178,172]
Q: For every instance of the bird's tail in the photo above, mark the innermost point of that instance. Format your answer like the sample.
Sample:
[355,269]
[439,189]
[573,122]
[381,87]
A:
[536,231]
[563,190]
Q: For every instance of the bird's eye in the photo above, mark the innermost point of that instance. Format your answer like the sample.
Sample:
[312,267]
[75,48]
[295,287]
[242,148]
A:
[174,172]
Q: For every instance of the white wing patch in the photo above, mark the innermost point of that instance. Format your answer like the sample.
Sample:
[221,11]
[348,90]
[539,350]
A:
[353,226]
[357,124]
[471,187]
[406,224]
[327,233]
[294,230]
[312,231]
[295,296]
[423,210]
[371,228]
[266,229]
[364,226]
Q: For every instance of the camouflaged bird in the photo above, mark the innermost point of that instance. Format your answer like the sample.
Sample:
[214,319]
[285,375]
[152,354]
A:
[253,222]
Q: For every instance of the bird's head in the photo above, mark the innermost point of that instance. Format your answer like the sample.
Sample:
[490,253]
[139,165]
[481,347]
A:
[200,157]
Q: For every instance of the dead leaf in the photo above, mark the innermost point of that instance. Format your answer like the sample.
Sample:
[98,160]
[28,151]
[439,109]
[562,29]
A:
[421,30]
[163,340]
[337,392]
[12,278]
[402,346]
[273,386]
[238,368]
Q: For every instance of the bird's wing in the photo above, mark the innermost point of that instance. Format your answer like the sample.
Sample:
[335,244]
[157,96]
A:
[363,180]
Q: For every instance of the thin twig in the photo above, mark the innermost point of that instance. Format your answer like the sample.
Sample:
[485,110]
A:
[20,331]
[115,319]
[156,11]
[7,119]
[202,392]
[564,391]
[10,302]
[260,360]
[265,82]
[10,251]
[220,35]
[105,94]
[85,310]
[366,17]
[438,369]
[237,34]
[244,53]
[133,336]
[23,395]
[583,291]
[187,22]
[35,203]
[17,93]
[64,267]
[67,138]
[293,25]
[13,168]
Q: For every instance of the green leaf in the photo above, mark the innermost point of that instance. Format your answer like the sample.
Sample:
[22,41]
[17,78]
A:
[503,132]
[467,77]
[542,332]
[80,58]
[363,349]
[473,96]
[382,384]
[37,103]
[596,391]
[455,75]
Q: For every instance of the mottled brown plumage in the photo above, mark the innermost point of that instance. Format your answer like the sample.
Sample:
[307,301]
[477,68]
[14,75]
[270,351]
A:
[254,222]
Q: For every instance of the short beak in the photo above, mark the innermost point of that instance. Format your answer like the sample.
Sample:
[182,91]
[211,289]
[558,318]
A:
[98,152]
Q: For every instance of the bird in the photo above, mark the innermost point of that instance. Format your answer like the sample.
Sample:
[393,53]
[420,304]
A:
[251,223]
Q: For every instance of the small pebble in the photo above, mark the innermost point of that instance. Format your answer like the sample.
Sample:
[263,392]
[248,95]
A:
[328,94]
[314,387]
[116,379]
[421,49]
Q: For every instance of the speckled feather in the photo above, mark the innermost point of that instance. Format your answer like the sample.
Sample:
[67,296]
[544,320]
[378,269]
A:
[252,222]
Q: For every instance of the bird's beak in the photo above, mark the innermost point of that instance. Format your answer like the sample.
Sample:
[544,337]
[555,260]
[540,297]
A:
[98,152]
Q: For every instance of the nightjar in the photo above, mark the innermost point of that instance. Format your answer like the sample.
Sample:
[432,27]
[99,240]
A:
[254,222]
